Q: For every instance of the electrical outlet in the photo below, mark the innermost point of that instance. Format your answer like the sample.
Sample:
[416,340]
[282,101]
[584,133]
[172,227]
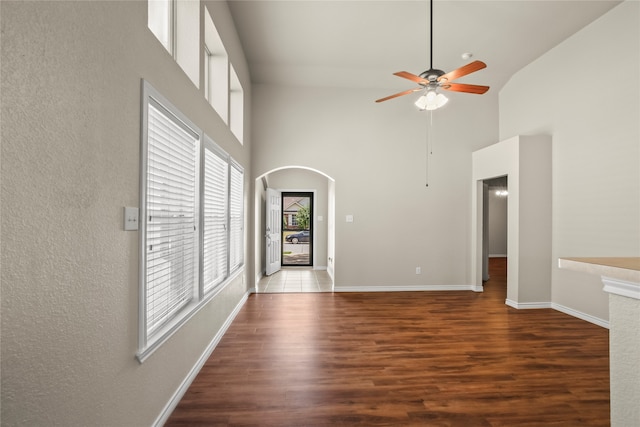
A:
[418,270]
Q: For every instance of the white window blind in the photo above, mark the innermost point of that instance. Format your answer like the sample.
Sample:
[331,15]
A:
[215,219]
[171,215]
[236,234]
[191,227]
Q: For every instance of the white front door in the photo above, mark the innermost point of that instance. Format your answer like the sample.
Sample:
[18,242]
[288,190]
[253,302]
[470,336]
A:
[273,235]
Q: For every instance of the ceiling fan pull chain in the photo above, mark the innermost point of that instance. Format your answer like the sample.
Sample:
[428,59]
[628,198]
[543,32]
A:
[431,130]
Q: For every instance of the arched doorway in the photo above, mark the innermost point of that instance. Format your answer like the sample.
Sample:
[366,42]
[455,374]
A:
[296,179]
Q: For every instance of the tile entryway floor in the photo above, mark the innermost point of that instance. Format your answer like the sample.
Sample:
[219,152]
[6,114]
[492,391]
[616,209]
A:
[296,280]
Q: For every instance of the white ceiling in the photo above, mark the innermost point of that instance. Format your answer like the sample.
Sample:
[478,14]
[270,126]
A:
[354,43]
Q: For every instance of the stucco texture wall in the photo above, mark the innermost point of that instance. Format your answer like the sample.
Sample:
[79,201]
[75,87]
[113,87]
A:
[70,84]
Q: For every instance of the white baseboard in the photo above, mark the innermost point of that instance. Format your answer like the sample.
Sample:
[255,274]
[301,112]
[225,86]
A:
[580,315]
[408,288]
[559,307]
[179,393]
[497,255]
[527,305]
[320,267]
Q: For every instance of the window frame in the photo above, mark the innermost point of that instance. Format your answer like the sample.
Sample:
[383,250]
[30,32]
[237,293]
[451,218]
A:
[218,152]
[149,341]
[236,246]
[236,105]
[168,24]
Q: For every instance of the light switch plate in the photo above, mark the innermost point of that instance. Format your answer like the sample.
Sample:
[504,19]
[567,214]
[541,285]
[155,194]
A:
[349,218]
[130,219]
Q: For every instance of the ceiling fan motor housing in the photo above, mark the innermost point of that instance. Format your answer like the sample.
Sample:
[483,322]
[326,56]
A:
[432,74]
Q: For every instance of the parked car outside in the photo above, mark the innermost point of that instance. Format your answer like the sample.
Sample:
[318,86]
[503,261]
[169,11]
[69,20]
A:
[302,236]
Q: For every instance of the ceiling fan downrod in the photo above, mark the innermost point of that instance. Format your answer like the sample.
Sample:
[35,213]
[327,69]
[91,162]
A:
[431,75]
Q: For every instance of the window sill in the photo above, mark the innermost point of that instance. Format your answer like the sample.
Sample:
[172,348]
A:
[167,331]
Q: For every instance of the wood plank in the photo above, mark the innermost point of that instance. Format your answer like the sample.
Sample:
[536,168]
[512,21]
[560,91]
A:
[402,359]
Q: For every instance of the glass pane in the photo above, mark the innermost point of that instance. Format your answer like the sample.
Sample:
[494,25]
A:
[159,20]
[297,219]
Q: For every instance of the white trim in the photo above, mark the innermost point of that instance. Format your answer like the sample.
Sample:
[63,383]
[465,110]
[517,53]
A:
[527,305]
[320,267]
[558,307]
[621,287]
[182,389]
[580,315]
[408,288]
[497,255]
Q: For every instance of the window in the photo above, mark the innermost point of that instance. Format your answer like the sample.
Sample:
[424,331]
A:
[236,105]
[160,19]
[216,185]
[170,214]
[217,67]
[236,215]
[191,199]
[176,24]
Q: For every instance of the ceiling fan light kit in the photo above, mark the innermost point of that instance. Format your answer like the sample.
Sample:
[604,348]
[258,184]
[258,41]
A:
[432,80]
[431,100]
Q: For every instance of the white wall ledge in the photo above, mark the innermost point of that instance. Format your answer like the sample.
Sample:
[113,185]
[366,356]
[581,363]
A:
[621,287]
[621,268]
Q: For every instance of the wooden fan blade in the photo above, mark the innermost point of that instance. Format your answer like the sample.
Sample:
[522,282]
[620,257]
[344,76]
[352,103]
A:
[471,67]
[411,77]
[462,87]
[406,92]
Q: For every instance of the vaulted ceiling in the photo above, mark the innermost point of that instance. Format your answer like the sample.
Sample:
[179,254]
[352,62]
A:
[361,43]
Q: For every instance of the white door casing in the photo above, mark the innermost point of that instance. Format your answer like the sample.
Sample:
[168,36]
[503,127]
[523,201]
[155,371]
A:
[273,235]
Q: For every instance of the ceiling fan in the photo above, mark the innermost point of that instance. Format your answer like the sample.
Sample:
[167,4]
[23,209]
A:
[434,79]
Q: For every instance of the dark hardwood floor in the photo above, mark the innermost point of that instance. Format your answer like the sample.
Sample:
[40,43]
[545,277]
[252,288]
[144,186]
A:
[402,359]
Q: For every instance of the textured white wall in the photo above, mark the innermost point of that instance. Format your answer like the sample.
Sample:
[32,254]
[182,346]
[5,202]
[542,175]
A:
[70,82]
[596,145]
[625,360]
[376,153]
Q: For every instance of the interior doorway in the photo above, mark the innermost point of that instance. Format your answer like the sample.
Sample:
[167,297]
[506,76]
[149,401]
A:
[495,224]
[297,228]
